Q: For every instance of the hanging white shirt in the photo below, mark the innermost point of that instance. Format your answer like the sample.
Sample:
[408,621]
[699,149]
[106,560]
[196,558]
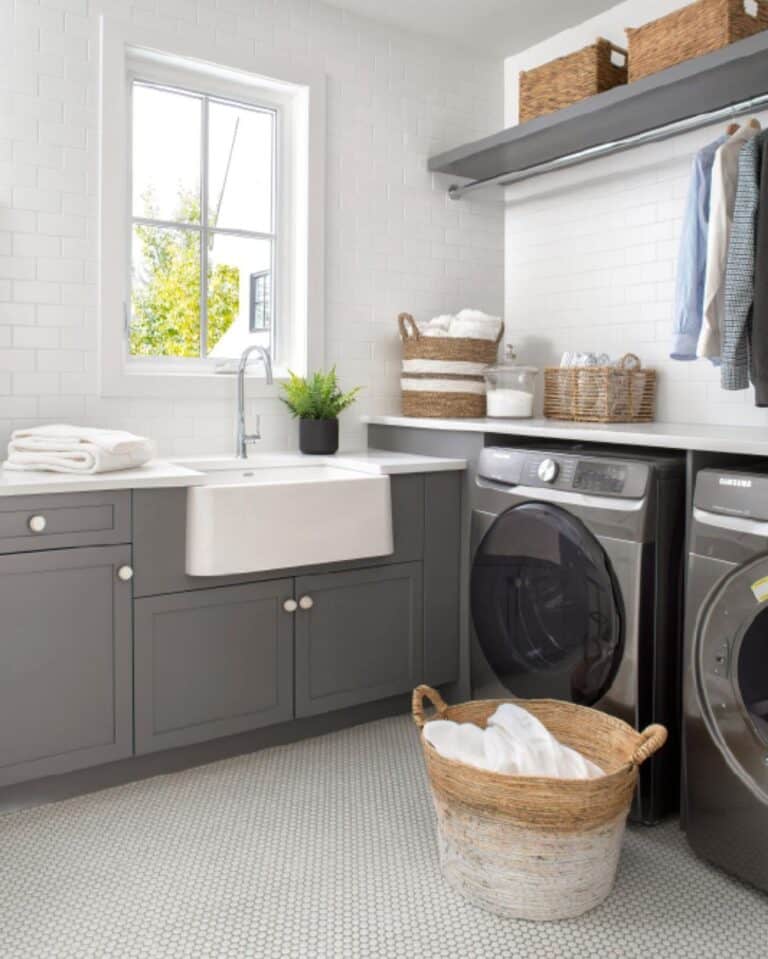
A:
[725,175]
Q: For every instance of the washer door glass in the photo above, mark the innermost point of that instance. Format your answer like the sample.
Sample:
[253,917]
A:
[730,657]
[545,605]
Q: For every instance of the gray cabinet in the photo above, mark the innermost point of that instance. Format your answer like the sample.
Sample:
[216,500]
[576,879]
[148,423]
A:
[212,663]
[362,638]
[65,661]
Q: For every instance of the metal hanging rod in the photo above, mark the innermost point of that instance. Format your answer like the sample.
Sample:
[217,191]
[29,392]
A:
[457,191]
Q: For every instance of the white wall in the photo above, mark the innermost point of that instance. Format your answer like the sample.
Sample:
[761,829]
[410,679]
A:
[394,241]
[591,252]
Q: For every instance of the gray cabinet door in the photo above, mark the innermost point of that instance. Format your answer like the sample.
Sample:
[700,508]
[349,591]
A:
[362,638]
[65,661]
[212,663]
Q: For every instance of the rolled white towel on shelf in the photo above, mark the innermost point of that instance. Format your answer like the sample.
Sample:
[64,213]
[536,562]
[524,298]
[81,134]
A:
[437,326]
[60,448]
[475,325]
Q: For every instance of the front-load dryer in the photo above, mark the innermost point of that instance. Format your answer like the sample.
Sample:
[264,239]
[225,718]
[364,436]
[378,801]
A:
[726,677]
[575,589]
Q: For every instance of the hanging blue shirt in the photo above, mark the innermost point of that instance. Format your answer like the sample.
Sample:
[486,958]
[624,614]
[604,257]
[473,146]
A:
[692,260]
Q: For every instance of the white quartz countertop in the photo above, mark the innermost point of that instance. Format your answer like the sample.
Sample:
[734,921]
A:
[155,474]
[191,472]
[681,436]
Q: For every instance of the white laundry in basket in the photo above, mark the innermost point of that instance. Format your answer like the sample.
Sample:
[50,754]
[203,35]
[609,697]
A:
[515,742]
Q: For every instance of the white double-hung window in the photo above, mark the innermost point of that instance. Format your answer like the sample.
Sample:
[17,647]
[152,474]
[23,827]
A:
[203,224]
[211,216]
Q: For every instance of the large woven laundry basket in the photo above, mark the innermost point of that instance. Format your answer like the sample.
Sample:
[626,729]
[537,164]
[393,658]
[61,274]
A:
[535,848]
[442,376]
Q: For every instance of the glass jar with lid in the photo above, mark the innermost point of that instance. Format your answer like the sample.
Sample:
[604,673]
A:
[510,388]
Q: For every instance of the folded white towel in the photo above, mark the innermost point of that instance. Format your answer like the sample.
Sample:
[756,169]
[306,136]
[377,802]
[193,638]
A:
[76,449]
[514,742]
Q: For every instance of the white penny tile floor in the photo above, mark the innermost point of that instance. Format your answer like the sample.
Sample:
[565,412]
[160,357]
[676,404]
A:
[320,850]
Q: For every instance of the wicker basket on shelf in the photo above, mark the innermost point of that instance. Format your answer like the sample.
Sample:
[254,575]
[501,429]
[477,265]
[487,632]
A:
[442,376]
[625,393]
[567,80]
[702,27]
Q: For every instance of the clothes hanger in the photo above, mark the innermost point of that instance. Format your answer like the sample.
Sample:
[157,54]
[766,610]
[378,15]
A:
[755,123]
[732,128]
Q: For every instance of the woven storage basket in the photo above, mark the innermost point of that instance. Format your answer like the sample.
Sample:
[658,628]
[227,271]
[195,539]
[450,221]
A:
[535,848]
[567,80]
[625,393]
[702,27]
[442,376]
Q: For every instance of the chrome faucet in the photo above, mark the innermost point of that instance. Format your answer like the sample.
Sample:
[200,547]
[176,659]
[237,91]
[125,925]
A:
[244,439]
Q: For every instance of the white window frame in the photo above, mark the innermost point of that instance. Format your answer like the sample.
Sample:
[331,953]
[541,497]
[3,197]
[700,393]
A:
[131,52]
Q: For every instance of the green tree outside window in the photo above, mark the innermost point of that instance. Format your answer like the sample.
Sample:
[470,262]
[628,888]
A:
[166,309]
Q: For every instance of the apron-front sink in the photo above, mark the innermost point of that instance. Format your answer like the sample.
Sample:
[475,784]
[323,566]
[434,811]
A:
[255,518]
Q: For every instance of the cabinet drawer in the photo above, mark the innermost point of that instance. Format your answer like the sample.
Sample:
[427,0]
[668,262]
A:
[57,522]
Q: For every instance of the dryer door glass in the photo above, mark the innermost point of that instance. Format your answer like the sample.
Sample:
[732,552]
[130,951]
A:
[545,605]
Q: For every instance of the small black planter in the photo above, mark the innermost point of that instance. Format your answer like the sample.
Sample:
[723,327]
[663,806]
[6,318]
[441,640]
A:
[319,437]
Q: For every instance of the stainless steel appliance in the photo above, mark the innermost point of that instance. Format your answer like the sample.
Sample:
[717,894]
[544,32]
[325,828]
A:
[575,588]
[726,679]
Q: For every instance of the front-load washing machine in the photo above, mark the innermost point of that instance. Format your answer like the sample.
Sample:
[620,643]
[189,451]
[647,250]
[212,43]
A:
[726,676]
[575,589]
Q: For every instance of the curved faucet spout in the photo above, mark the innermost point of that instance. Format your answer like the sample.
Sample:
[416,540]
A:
[244,439]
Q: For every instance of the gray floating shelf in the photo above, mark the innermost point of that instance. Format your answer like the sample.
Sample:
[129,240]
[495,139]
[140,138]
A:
[707,84]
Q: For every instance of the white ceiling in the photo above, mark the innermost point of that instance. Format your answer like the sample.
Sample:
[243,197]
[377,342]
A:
[496,27]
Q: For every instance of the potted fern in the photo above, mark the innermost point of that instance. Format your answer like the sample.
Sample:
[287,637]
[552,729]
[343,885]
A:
[316,402]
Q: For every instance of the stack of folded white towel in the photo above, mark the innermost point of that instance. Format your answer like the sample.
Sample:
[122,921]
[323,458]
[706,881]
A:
[515,742]
[76,449]
[471,324]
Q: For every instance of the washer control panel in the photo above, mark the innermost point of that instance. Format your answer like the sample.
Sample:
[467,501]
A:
[593,475]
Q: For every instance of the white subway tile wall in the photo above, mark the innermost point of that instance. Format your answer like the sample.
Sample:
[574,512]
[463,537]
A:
[393,239]
[591,260]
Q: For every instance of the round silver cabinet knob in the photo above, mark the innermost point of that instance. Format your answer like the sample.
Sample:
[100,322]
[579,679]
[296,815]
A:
[548,470]
[290,605]
[306,602]
[37,523]
[125,573]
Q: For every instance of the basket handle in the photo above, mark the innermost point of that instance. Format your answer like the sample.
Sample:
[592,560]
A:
[615,48]
[417,703]
[501,334]
[408,328]
[652,738]
[630,361]
[756,14]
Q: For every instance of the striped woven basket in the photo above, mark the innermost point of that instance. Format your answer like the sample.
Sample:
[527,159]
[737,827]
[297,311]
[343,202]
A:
[442,376]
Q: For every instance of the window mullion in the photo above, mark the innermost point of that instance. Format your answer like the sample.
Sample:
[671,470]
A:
[204,231]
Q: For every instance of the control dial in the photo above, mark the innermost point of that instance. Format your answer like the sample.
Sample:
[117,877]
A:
[548,470]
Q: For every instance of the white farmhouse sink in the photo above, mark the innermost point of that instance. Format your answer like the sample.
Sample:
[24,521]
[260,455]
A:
[259,518]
